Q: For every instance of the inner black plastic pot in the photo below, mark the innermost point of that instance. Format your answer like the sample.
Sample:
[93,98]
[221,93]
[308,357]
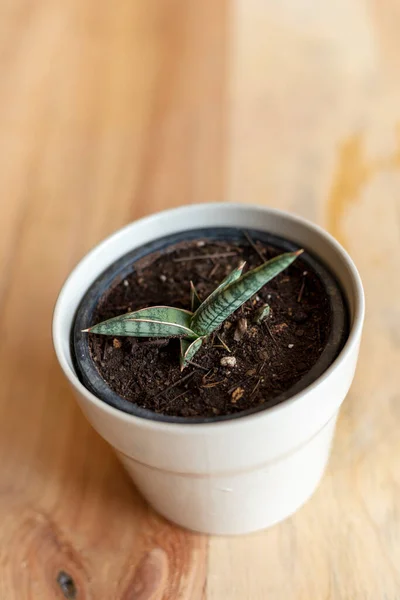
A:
[91,378]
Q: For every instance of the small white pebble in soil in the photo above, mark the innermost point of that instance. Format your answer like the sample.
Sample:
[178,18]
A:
[290,346]
[200,244]
[228,361]
[269,296]
[126,283]
[163,278]
[305,273]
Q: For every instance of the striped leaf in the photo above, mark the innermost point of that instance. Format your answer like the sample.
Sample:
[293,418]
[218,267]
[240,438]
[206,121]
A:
[189,349]
[156,321]
[194,298]
[230,278]
[228,299]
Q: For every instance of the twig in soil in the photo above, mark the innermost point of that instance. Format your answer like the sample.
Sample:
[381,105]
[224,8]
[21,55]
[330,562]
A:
[174,385]
[270,333]
[255,388]
[205,377]
[303,284]
[254,246]
[310,346]
[213,271]
[211,385]
[205,256]
[261,368]
[190,362]
[179,396]
[127,385]
[223,344]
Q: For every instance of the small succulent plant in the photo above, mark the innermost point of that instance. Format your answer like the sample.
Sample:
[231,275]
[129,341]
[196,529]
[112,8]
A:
[194,326]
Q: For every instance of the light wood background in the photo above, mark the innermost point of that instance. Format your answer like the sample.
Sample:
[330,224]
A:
[112,110]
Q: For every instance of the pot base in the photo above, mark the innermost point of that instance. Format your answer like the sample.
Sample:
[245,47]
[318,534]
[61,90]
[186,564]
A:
[236,503]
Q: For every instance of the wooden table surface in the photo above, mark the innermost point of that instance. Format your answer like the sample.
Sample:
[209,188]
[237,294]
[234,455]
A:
[110,111]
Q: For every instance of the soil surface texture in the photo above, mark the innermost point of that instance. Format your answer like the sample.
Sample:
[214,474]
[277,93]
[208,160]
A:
[269,358]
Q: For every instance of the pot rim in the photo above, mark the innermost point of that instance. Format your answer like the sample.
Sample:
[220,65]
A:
[355,325]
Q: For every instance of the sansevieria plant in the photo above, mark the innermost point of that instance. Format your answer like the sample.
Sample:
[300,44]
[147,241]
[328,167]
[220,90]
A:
[194,326]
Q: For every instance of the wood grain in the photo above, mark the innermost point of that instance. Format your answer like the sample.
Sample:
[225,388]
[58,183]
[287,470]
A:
[109,112]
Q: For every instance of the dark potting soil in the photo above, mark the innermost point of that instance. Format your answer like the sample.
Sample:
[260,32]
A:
[270,357]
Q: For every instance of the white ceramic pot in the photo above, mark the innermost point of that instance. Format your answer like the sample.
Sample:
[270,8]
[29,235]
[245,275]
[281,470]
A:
[233,476]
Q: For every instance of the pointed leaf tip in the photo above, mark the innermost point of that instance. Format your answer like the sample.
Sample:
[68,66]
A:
[227,298]
[234,275]
[298,252]
[85,330]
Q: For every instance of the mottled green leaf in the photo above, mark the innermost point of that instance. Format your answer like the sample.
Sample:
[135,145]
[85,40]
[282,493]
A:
[156,321]
[262,313]
[194,298]
[228,299]
[232,276]
[189,349]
